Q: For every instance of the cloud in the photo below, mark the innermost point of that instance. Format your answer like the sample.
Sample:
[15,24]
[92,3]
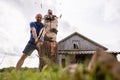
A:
[10,61]
[112,10]
[12,25]
[30,8]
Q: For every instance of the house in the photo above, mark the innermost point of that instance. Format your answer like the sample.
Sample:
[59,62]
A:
[78,48]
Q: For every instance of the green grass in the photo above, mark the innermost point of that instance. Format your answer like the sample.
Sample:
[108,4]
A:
[55,73]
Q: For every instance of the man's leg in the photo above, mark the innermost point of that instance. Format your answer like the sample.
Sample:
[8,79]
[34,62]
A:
[20,62]
[26,52]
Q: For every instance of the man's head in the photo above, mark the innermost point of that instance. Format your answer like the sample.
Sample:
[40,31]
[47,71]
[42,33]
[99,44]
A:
[38,17]
[49,11]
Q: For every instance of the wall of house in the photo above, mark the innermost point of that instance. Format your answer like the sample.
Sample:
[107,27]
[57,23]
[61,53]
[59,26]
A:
[65,60]
[83,44]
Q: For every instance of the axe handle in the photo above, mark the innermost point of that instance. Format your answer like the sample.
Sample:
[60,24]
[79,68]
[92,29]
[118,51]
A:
[40,34]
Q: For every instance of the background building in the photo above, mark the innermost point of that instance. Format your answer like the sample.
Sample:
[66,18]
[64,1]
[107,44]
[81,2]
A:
[77,48]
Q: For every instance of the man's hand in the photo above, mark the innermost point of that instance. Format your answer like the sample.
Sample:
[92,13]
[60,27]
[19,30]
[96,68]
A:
[36,40]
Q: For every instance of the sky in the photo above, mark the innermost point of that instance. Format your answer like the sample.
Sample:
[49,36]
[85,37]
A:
[98,20]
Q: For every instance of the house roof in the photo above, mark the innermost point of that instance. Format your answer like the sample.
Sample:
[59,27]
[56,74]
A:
[82,52]
[75,52]
[76,33]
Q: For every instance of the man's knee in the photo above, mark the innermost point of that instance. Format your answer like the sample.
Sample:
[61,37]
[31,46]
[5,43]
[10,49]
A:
[23,57]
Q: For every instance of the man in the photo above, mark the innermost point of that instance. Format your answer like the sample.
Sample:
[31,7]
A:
[35,33]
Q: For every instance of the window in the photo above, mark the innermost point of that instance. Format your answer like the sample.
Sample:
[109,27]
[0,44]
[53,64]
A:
[76,44]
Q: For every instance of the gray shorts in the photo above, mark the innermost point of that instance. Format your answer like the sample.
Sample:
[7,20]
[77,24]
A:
[29,48]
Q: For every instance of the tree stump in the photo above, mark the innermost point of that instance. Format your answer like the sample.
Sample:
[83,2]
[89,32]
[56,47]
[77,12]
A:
[47,49]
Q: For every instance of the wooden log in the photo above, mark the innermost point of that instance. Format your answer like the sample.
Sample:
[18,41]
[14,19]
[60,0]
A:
[51,25]
[49,50]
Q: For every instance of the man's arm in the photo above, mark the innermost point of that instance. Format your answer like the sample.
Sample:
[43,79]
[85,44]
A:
[34,33]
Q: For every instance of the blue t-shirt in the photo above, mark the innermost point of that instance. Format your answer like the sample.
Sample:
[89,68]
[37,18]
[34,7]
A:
[38,28]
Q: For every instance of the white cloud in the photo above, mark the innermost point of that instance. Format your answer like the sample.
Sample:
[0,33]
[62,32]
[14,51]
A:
[112,10]
[10,61]
[12,28]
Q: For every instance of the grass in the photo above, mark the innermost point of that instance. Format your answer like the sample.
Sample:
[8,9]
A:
[55,73]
